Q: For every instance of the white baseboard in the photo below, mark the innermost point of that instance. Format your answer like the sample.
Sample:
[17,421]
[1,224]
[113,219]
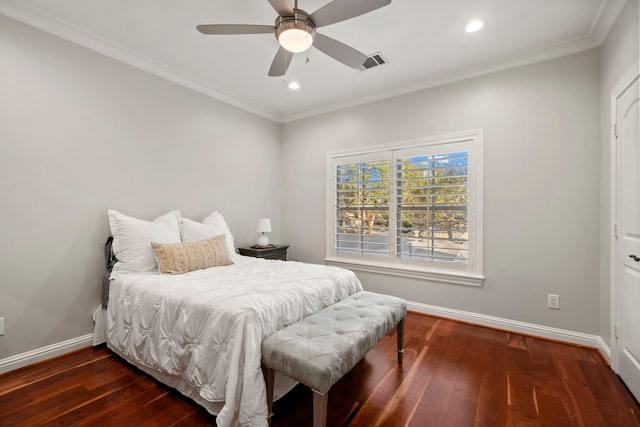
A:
[533,329]
[594,341]
[43,353]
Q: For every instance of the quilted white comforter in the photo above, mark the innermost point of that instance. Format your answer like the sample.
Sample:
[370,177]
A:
[205,328]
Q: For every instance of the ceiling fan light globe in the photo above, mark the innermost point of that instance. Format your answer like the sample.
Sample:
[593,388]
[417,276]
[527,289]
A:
[295,33]
[295,40]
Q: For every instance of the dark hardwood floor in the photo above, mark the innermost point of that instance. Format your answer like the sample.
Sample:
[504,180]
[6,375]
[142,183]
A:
[454,374]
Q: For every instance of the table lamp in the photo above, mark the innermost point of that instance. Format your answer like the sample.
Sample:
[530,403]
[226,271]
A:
[263,226]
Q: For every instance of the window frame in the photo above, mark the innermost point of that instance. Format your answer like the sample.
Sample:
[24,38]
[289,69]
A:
[464,274]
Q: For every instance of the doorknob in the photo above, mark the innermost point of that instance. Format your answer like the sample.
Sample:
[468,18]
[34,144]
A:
[635,258]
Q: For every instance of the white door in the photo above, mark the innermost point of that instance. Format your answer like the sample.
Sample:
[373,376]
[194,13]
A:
[627,113]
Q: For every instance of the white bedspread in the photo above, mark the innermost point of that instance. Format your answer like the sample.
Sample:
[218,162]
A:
[206,327]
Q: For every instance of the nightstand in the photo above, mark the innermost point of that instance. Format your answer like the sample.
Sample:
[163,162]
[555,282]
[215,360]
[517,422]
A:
[276,252]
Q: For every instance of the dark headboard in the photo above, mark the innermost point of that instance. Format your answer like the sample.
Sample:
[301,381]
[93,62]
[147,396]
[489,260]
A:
[111,260]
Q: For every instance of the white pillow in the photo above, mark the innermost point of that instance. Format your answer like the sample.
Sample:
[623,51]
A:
[132,239]
[193,231]
[213,225]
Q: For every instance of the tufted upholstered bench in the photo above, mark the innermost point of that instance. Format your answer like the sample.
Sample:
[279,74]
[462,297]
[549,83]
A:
[320,349]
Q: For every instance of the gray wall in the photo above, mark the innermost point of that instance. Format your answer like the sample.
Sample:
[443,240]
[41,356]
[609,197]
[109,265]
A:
[618,55]
[541,178]
[81,133]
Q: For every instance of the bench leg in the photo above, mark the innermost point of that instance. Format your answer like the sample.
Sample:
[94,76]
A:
[269,379]
[400,333]
[320,409]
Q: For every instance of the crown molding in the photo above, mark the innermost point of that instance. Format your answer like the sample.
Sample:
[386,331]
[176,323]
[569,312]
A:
[604,20]
[96,43]
[533,56]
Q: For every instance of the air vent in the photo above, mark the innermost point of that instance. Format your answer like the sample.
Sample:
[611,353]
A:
[373,60]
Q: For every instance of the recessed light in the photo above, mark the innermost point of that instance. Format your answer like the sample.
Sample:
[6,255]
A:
[475,25]
[294,85]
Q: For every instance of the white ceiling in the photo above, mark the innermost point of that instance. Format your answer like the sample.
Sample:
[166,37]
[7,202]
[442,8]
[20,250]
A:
[424,41]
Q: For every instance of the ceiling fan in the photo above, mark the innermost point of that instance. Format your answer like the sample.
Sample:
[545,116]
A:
[295,30]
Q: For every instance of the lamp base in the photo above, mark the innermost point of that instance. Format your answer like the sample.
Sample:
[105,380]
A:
[263,240]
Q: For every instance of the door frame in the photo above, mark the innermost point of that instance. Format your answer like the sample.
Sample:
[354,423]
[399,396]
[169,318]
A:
[619,88]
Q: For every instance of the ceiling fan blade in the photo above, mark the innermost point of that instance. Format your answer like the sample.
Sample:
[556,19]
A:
[340,10]
[235,29]
[280,62]
[339,51]
[283,7]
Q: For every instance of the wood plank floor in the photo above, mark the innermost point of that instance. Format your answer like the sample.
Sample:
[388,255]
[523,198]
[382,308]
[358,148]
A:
[453,374]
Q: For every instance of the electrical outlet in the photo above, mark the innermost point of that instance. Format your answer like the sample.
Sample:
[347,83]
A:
[1,325]
[553,301]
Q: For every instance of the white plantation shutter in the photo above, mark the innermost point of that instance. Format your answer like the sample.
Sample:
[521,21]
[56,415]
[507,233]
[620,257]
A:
[409,208]
[431,207]
[362,207]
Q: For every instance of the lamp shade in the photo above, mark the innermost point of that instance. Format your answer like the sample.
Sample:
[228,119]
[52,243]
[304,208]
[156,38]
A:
[263,225]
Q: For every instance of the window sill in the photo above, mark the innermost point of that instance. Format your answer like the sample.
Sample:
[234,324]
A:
[414,273]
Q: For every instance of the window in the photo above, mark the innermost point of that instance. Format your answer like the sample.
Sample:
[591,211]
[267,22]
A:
[410,208]
[362,208]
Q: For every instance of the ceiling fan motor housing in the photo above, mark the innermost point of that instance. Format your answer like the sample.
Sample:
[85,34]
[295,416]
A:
[299,30]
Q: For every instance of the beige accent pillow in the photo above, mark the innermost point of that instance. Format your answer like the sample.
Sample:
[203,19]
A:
[177,258]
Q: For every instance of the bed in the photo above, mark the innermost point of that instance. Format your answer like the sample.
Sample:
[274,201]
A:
[200,331]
